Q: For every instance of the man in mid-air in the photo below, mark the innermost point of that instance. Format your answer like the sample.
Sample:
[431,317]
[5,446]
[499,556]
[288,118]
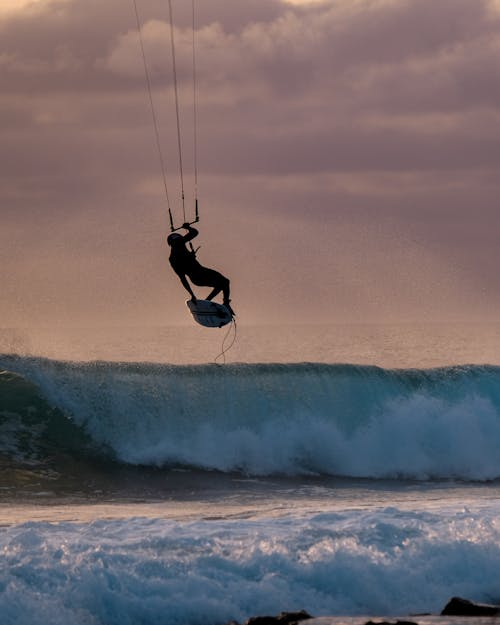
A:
[184,264]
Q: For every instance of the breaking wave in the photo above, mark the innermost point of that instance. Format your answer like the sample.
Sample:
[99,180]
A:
[347,420]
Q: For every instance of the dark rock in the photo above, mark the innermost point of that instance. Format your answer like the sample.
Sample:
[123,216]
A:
[284,618]
[390,623]
[463,607]
[262,620]
[289,618]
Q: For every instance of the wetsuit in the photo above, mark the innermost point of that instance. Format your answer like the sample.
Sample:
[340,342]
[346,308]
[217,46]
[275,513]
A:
[184,264]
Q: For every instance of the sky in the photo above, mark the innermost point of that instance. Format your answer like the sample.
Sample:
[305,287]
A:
[348,159]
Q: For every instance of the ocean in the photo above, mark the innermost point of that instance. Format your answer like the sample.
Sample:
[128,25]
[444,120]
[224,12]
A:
[346,470]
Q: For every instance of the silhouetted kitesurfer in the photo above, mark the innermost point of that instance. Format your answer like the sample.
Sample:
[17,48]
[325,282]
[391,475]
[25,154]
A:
[184,264]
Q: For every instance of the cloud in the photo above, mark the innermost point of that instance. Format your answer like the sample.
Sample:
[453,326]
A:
[373,122]
[339,80]
[304,2]
[10,8]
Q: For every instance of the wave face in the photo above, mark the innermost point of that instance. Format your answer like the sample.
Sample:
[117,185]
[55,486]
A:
[31,430]
[344,420]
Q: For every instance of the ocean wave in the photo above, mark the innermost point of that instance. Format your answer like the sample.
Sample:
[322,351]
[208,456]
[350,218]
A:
[32,431]
[387,562]
[305,418]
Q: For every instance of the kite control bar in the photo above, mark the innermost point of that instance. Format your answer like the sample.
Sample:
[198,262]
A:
[196,219]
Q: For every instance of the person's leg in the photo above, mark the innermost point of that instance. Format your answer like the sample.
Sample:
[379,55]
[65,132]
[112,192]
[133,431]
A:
[213,293]
[221,285]
[210,277]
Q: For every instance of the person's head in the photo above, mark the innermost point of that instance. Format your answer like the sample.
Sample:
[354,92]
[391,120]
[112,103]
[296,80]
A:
[174,239]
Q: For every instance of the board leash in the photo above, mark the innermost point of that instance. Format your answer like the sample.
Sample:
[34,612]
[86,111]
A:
[224,350]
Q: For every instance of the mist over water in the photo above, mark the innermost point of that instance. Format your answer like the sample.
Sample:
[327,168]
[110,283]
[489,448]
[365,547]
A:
[407,345]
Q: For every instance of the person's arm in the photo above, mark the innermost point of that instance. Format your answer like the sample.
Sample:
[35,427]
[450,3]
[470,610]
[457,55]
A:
[186,285]
[192,232]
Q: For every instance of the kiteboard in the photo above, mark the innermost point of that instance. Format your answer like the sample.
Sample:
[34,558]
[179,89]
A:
[209,314]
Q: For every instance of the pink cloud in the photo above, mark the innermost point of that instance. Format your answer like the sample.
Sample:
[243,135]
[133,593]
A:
[336,116]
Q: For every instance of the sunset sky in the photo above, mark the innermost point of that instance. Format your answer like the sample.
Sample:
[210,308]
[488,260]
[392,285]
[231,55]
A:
[349,157]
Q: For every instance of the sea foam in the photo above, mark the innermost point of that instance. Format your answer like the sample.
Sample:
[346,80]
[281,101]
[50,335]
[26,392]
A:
[381,561]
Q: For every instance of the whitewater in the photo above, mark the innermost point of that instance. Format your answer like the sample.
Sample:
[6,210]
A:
[143,570]
[194,494]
